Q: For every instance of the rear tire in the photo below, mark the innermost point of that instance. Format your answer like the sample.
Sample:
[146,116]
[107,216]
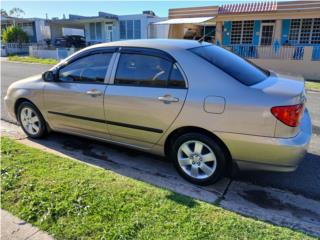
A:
[31,120]
[199,158]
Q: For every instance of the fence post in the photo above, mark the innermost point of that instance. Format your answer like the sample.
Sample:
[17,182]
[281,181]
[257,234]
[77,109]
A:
[57,53]
[307,53]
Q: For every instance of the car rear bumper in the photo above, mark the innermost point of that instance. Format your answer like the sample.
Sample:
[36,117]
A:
[272,154]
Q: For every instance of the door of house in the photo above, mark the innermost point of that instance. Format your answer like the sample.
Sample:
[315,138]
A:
[109,30]
[267,32]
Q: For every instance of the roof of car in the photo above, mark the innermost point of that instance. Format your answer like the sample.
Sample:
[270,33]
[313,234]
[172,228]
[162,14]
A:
[163,44]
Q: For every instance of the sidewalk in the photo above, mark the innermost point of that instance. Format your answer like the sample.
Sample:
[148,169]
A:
[15,228]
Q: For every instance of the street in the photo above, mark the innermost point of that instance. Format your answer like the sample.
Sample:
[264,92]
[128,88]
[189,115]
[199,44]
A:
[305,180]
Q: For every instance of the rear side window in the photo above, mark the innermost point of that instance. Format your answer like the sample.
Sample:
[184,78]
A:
[237,67]
[147,71]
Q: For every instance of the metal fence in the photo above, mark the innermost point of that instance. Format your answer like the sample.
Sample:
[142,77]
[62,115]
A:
[16,48]
[316,53]
[43,51]
[268,52]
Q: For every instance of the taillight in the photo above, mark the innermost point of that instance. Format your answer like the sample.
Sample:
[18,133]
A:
[289,115]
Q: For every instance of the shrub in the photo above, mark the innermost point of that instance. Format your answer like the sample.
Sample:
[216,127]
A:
[14,34]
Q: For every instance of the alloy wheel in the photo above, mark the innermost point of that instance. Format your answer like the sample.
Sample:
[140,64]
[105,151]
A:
[30,120]
[197,159]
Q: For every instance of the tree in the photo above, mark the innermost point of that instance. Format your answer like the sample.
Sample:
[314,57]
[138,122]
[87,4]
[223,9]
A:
[4,12]
[14,34]
[16,12]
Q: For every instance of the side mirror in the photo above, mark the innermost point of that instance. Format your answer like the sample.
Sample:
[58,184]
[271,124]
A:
[48,76]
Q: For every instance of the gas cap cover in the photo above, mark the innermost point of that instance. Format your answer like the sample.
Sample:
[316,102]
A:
[214,104]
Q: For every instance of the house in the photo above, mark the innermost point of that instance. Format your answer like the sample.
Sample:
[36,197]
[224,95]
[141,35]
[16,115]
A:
[106,27]
[282,36]
[37,29]
[261,23]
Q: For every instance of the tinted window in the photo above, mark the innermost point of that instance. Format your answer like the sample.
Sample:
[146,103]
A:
[123,30]
[130,29]
[137,29]
[92,68]
[176,79]
[142,70]
[232,64]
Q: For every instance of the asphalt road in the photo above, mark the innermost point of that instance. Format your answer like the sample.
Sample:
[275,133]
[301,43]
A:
[305,180]
[11,72]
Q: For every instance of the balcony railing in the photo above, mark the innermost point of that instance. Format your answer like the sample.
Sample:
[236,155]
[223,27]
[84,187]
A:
[270,52]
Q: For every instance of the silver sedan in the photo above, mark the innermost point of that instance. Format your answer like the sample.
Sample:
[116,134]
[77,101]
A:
[202,106]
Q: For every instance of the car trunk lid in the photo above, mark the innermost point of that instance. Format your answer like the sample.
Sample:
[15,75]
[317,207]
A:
[288,99]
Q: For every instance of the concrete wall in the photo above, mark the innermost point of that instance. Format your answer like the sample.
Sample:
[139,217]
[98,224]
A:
[307,68]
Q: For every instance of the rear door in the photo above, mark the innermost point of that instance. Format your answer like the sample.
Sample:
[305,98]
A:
[146,96]
[74,102]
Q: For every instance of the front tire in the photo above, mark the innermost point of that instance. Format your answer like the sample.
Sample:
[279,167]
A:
[31,120]
[199,158]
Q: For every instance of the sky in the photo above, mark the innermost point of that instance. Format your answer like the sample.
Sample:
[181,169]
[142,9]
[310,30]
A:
[91,8]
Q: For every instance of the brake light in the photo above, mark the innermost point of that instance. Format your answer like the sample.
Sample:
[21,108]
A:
[289,115]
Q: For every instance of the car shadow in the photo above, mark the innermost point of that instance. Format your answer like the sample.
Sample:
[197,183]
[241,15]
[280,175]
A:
[152,169]
[305,180]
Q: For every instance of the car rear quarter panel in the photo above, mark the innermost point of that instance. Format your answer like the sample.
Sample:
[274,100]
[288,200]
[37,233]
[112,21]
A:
[247,110]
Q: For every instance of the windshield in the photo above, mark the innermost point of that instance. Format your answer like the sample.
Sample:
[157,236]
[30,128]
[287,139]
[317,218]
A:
[237,67]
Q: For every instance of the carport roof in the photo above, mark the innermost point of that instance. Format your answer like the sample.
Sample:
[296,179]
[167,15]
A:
[195,20]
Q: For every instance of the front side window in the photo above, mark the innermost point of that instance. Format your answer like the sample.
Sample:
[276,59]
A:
[147,71]
[89,69]
[237,67]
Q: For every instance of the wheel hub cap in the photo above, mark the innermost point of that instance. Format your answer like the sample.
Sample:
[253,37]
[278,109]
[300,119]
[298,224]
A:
[197,159]
[30,121]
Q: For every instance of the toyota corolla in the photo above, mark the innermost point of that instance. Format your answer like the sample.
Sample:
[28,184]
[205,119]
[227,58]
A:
[204,107]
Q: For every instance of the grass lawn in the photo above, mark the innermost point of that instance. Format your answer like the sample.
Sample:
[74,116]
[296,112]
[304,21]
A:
[33,60]
[71,200]
[313,85]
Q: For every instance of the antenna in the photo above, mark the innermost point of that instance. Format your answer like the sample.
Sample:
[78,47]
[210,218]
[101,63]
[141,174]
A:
[203,37]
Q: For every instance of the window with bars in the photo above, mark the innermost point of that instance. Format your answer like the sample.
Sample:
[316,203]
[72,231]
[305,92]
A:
[304,31]
[242,32]
[315,38]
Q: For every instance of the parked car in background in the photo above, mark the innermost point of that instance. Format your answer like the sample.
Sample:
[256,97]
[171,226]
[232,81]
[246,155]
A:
[202,106]
[70,41]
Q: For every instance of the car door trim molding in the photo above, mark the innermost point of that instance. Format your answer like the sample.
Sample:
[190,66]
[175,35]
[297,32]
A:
[149,129]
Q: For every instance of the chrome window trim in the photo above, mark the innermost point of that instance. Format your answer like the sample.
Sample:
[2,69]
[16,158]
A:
[87,54]
[115,67]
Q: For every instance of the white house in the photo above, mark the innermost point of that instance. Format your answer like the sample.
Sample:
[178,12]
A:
[108,27]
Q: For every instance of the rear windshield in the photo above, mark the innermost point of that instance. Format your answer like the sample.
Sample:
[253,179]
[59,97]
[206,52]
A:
[237,67]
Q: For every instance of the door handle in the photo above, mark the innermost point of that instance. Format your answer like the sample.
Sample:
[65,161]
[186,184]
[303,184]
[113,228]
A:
[168,99]
[93,92]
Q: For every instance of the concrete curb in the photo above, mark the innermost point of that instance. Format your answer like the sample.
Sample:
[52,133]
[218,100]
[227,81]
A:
[17,229]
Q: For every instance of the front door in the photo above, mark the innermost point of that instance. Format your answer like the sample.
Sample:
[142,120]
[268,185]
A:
[267,31]
[74,102]
[146,97]
[109,30]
